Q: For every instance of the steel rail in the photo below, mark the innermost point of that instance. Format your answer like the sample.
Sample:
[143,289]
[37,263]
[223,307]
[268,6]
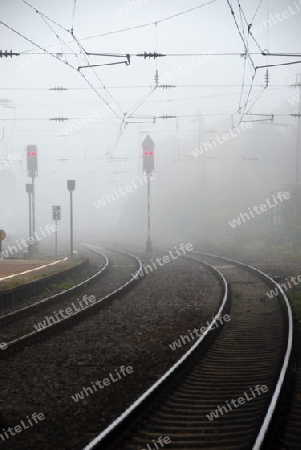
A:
[266,423]
[20,341]
[139,403]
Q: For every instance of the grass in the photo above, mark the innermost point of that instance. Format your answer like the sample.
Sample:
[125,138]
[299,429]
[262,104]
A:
[53,288]
[295,298]
[14,283]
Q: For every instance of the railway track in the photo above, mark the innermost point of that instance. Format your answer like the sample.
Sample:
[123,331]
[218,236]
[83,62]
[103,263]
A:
[223,393]
[27,310]
[30,314]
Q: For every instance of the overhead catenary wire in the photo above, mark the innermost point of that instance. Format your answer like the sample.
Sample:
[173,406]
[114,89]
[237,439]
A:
[122,30]
[46,19]
[73,16]
[147,24]
[240,34]
[14,88]
[62,61]
[246,56]
[249,57]
[82,50]
[249,26]
[97,76]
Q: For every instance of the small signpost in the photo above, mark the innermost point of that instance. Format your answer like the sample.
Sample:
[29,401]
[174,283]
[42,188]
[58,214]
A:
[71,187]
[56,215]
[2,237]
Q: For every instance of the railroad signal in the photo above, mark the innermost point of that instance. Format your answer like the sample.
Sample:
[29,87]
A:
[32,160]
[148,146]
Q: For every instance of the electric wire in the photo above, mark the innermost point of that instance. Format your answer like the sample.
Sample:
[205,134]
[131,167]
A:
[64,62]
[240,34]
[73,16]
[44,16]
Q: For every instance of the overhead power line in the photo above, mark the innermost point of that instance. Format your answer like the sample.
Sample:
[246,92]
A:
[62,61]
[155,54]
[163,86]
[122,30]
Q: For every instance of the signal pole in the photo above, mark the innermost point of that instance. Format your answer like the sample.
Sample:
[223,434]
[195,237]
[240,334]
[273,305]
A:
[32,172]
[148,242]
[29,191]
[148,167]
[71,187]
[33,201]
[56,215]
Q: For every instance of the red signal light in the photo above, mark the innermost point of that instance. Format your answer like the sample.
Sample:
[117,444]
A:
[151,153]
[28,153]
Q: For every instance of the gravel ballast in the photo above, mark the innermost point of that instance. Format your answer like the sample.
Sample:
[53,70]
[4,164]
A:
[136,331]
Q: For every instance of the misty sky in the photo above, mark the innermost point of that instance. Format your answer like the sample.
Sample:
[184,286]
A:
[211,94]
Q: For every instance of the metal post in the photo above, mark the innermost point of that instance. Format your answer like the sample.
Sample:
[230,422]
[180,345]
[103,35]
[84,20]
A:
[29,214]
[202,176]
[55,237]
[148,242]
[29,191]
[71,224]
[33,205]
[30,222]
[71,187]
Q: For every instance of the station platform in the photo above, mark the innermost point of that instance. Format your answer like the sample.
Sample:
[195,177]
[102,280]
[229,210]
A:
[15,272]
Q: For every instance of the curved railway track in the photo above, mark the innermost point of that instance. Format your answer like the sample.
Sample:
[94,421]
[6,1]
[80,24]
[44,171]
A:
[29,337]
[27,310]
[223,393]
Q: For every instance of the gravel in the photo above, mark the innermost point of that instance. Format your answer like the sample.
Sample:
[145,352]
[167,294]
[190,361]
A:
[135,331]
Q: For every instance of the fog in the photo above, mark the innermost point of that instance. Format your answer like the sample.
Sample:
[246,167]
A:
[212,93]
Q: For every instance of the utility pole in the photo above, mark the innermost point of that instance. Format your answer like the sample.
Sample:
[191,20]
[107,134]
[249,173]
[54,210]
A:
[202,176]
[32,172]
[29,191]
[71,187]
[298,144]
[56,215]
[148,146]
